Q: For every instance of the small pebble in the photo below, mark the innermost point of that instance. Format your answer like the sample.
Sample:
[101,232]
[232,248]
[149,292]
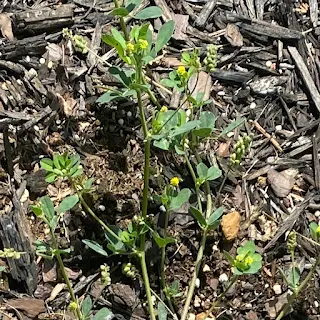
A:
[76,136]
[278,127]
[36,128]
[316,303]
[28,59]
[317,213]
[102,207]
[162,208]
[221,93]
[253,105]
[50,64]
[269,64]
[58,121]
[223,277]
[277,289]
[121,122]
[129,114]
[198,283]
[197,302]
[42,60]
[33,72]
[191,316]
[206,268]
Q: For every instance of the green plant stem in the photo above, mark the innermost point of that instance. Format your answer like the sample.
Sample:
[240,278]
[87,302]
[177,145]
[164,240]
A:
[89,210]
[65,276]
[145,196]
[222,295]
[297,291]
[200,252]
[193,175]
[222,185]
[293,267]
[192,283]
[122,22]
[162,263]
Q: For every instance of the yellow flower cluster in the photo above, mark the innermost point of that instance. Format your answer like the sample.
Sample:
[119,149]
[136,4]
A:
[164,109]
[182,72]
[175,181]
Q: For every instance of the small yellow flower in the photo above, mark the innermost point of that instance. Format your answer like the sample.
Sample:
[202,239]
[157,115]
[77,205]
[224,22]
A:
[130,47]
[248,261]
[181,71]
[164,109]
[318,229]
[174,181]
[73,306]
[143,44]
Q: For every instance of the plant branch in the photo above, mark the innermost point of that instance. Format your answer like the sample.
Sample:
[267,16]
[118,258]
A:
[297,291]
[89,210]
[122,22]
[65,275]
[222,295]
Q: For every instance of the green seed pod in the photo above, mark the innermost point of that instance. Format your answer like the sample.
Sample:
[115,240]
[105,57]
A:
[292,241]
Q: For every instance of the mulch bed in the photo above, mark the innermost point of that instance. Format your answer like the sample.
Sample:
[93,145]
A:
[268,73]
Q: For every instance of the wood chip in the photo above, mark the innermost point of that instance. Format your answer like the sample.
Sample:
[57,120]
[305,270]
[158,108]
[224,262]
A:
[230,224]
[6,26]
[30,307]
[233,35]
[281,183]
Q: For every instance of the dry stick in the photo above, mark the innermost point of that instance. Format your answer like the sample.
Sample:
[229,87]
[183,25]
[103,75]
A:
[267,135]
[297,291]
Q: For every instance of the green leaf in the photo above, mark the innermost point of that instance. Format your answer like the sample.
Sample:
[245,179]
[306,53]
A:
[182,197]
[103,314]
[214,217]
[120,12]
[50,177]
[228,257]
[162,242]
[249,246]
[56,161]
[111,41]
[47,207]
[162,311]
[149,13]
[114,244]
[2,268]
[190,125]
[168,83]
[36,210]
[231,127]
[254,268]
[120,75]
[163,144]
[118,37]
[95,247]
[46,164]
[313,230]
[198,216]
[294,277]
[202,170]
[132,4]
[164,35]
[86,307]
[108,96]
[213,173]
[68,203]
[207,122]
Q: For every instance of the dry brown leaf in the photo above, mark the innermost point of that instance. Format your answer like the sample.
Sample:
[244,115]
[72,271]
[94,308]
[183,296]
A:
[181,24]
[233,35]
[56,290]
[200,82]
[6,26]
[281,182]
[223,149]
[30,307]
[201,316]
[230,224]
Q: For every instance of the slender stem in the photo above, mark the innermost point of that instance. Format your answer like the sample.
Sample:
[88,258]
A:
[122,22]
[297,291]
[194,180]
[195,276]
[89,210]
[222,185]
[200,252]
[293,267]
[146,174]
[222,295]
[162,263]
[65,276]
